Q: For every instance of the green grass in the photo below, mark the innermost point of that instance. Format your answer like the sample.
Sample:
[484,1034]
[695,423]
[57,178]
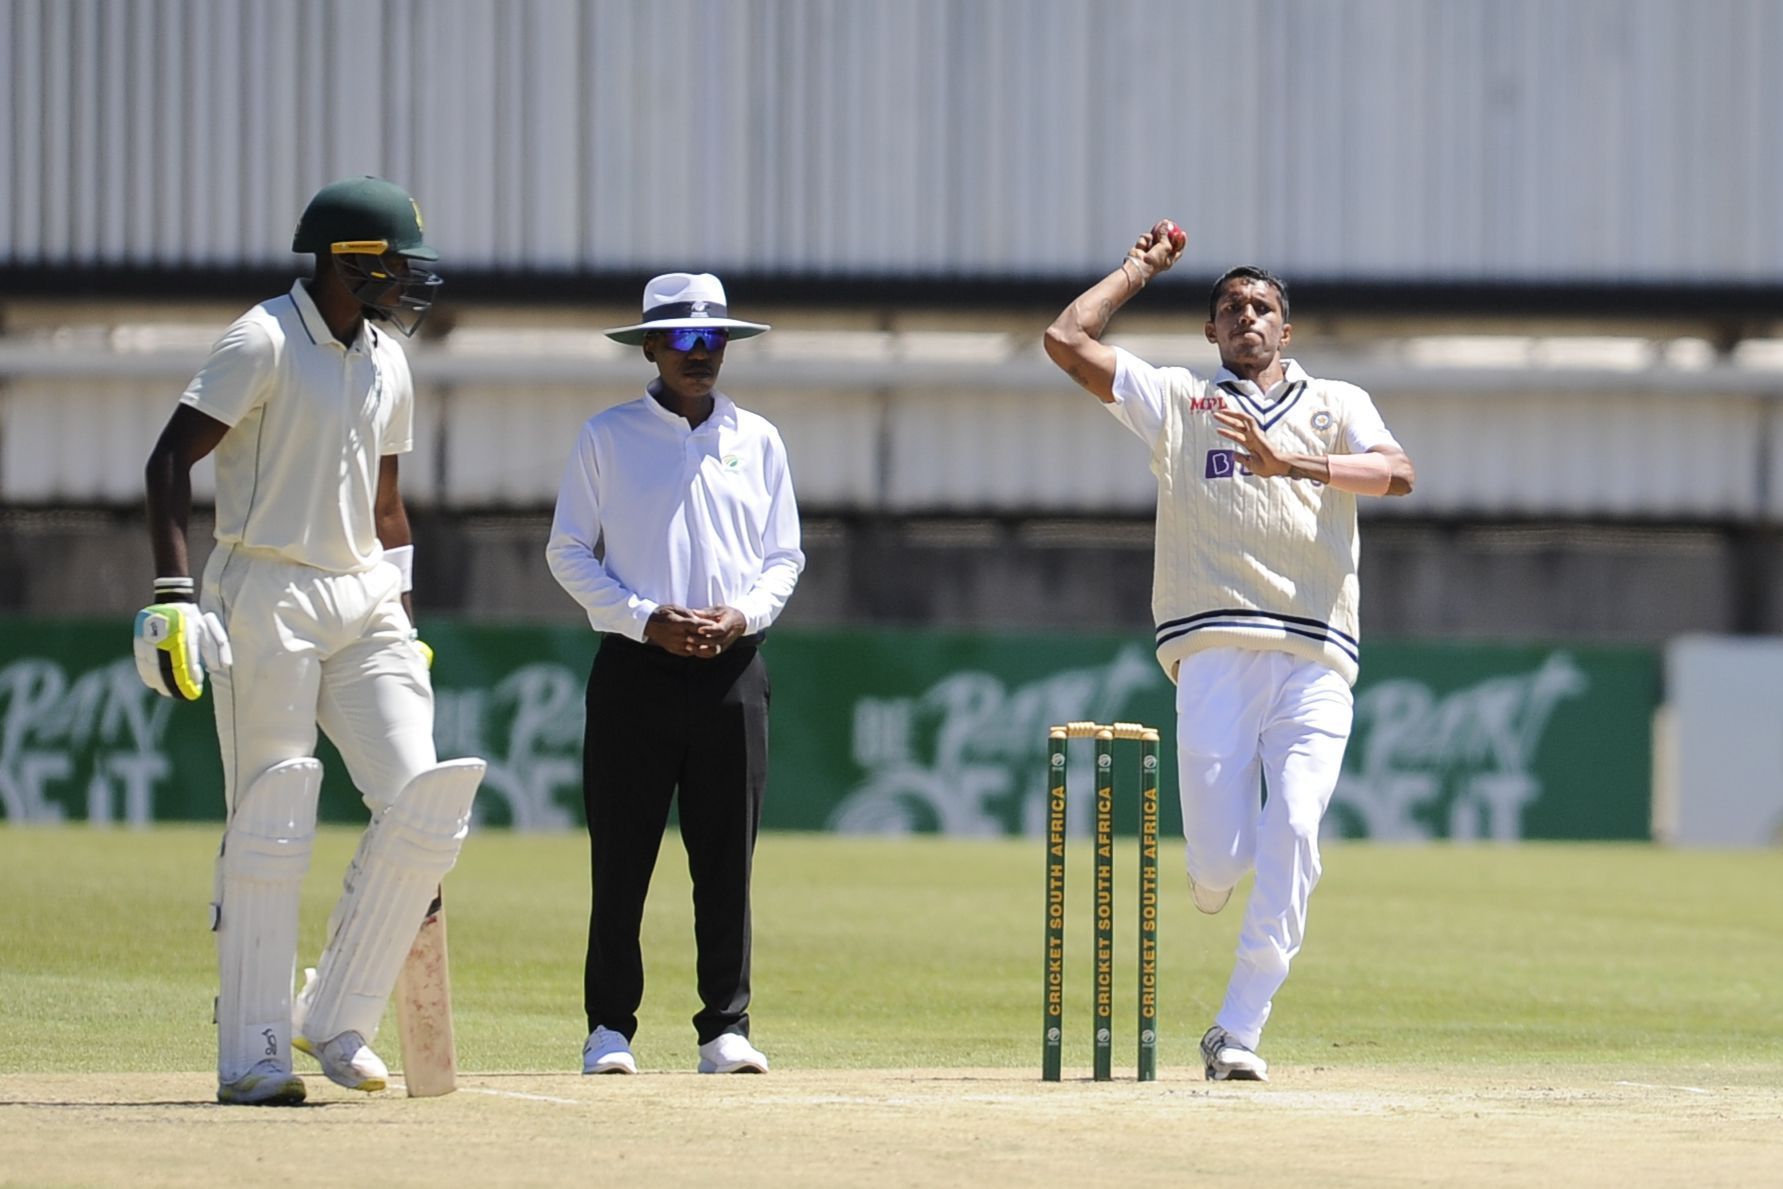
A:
[927,952]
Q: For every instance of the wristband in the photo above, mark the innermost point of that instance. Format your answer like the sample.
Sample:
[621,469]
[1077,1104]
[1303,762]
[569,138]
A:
[403,558]
[1138,277]
[178,588]
[1360,474]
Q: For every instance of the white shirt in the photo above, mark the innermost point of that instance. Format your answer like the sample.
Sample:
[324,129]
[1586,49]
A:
[309,419]
[695,517]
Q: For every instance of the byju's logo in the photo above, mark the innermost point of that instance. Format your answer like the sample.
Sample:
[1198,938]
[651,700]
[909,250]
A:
[1224,464]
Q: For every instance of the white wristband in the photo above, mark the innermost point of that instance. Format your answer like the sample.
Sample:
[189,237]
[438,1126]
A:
[403,558]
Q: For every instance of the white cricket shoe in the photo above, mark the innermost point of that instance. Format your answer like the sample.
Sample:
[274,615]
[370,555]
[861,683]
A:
[1206,899]
[731,1052]
[607,1051]
[267,1084]
[347,1059]
[1229,1061]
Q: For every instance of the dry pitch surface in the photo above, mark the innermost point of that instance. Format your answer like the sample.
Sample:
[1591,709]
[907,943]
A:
[1310,1126]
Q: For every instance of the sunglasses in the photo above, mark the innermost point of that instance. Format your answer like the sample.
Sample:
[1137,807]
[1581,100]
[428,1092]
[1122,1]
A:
[685,339]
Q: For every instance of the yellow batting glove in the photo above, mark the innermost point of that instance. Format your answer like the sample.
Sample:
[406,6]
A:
[174,643]
[422,647]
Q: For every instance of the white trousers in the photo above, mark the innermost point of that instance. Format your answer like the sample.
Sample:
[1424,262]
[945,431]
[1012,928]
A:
[318,648]
[1247,721]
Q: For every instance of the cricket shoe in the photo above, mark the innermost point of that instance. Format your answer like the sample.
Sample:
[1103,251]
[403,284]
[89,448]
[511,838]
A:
[607,1051]
[1229,1061]
[731,1052]
[347,1059]
[267,1084]
[1206,899]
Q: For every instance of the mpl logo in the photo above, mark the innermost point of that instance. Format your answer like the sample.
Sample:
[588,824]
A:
[1224,464]
[1206,404]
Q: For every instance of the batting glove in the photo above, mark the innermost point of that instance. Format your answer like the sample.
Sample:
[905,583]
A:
[175,644]
[421,646]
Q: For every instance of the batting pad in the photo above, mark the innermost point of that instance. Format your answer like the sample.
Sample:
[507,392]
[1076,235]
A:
[407,851]
[266,850]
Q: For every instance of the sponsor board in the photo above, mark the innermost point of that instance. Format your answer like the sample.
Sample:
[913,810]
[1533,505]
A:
[886,732]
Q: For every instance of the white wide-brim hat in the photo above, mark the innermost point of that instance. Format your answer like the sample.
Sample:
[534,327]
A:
[678,300]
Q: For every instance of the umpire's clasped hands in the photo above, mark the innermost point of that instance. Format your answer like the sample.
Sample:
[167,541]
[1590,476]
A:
[703,633]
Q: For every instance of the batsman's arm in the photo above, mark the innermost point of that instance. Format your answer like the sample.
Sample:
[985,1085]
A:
[393,518]
[1074,340]
[188,436]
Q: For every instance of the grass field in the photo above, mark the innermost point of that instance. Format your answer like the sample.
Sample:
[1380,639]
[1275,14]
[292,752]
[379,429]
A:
[1460,1015]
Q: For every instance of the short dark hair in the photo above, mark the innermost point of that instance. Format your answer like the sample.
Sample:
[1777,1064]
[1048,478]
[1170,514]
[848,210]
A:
[1248,272]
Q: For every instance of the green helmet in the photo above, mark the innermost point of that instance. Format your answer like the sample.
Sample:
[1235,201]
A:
[363,211]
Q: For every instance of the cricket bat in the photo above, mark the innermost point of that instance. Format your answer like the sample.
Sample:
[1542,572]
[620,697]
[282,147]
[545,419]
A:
[424,1010]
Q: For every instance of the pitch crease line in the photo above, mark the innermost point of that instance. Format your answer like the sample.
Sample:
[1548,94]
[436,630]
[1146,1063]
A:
[509,1094]
[1651,1086]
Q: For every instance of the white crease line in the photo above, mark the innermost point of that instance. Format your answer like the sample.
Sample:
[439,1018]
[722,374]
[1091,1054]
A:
[505,1094]
[517,1094]
[1650,1086]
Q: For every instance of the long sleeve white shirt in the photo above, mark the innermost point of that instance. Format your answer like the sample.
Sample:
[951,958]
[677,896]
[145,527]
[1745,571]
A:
[653,511]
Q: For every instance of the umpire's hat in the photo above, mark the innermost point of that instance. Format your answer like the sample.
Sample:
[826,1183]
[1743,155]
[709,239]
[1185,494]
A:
[678,300]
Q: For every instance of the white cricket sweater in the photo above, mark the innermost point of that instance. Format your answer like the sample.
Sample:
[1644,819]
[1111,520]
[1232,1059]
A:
[1241,561]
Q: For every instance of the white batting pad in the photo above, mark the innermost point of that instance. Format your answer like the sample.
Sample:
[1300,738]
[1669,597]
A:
[407,851]
[266,850]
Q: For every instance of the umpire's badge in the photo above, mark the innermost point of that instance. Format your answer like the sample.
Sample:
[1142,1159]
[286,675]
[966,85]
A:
[1321,421]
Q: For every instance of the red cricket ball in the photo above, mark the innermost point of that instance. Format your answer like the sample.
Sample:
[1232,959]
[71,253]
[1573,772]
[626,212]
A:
[1179,238]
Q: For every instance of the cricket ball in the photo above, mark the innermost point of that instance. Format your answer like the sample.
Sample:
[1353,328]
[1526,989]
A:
[1179,238]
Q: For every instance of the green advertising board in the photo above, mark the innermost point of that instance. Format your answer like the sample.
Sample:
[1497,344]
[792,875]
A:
[885,731]
[1490,741]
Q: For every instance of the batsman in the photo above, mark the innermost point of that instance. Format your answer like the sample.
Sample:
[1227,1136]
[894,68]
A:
[303,619]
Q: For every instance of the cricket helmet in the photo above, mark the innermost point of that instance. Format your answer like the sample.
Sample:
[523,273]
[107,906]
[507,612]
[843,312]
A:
[373,230]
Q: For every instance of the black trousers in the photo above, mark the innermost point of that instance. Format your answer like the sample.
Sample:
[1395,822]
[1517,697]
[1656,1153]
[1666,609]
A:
[662,726]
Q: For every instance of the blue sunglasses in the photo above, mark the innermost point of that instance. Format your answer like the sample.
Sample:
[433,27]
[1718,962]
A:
[686,338]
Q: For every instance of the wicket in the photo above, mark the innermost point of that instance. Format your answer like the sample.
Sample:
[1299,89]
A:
[1052,1038]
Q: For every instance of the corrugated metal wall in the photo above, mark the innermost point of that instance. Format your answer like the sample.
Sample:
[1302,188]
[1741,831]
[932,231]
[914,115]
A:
[1510,139]
[1006,438]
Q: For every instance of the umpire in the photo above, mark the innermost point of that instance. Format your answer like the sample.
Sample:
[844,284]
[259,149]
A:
[677,532]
